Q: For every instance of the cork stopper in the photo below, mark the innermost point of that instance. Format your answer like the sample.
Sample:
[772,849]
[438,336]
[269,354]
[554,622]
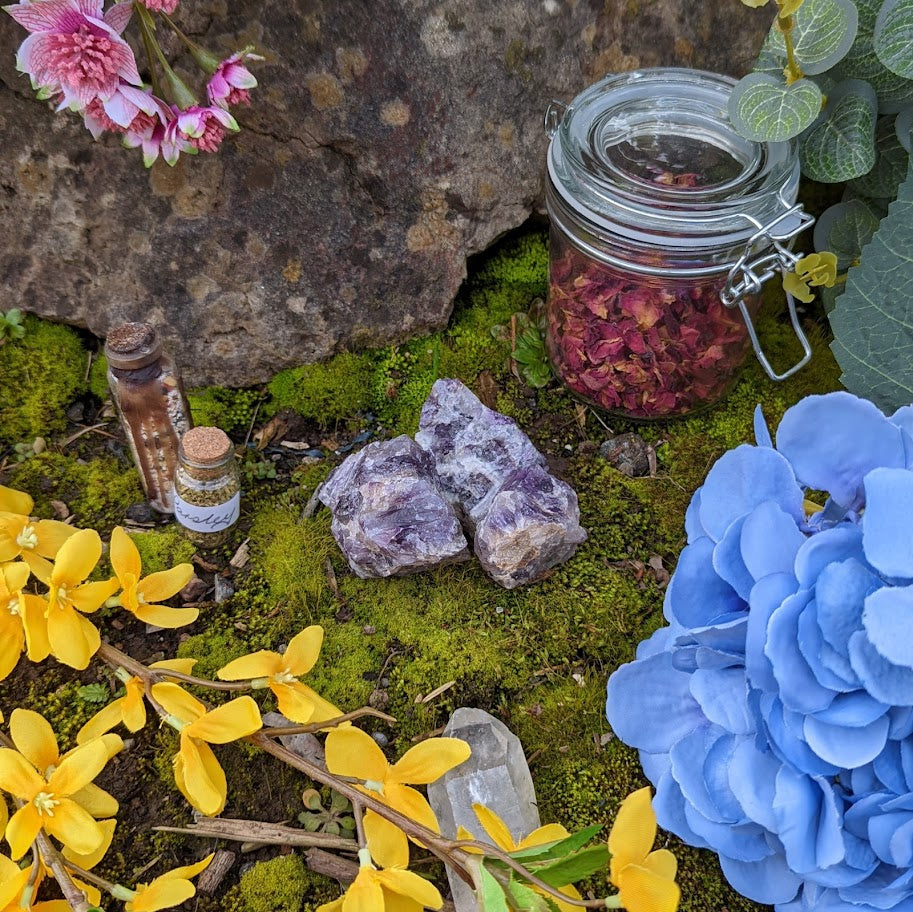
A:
[206,446]
[132,345]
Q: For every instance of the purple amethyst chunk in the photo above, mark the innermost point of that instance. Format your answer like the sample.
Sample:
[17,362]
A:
[389,515]
[474,448]
[532,525]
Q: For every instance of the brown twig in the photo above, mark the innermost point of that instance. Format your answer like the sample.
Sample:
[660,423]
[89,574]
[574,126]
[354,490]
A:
[260,832]
[281,730]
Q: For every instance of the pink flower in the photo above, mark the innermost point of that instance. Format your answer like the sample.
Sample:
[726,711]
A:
[205,127]
[75,48]
[121,110]
[158,136]
[161,6]
[230,83]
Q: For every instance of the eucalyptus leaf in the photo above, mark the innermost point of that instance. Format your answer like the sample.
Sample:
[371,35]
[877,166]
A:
[873,318]
[845,229]
[573,867]
[763,108]
[890,166]
[822,35]
[841,144]
[877,205]
[490,893]
[558,849]
[894,36]
[903,127]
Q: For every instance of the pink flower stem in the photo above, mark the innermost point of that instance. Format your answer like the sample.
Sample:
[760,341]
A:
[178,91]
[149,43]
[204,59]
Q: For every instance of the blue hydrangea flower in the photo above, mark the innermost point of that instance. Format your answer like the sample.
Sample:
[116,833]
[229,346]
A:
[774,713]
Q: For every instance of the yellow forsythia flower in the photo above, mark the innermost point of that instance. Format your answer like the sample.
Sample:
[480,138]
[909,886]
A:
[17,502]
[167,890]
[352,752]
[645,879]
[73,638]
[197,773]
[20,536]
[140,594]
[280,673]
[499,834]
[814,269]
[49,802]
[22,621]
[394,889]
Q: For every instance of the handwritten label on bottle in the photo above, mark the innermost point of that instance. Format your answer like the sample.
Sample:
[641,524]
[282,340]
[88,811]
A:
[207,519]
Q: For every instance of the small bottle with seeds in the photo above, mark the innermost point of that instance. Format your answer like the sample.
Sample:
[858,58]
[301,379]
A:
[147,391]
[207,486]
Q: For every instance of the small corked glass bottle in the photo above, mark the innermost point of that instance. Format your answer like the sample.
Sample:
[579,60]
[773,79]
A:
[207,486]
[149,397]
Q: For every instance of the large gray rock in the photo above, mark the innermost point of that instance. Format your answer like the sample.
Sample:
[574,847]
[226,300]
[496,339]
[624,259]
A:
[388,141]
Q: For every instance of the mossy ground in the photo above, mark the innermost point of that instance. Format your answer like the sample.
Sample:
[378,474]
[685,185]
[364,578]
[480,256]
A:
[537,657]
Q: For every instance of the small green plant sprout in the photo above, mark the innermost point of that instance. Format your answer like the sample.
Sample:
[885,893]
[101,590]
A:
[837,76]
[93,693]
[11,325]
[526,333]
[336,819]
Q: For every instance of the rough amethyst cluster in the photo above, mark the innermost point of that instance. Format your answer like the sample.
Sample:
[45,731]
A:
[473,447]
[389,516]
[531,526]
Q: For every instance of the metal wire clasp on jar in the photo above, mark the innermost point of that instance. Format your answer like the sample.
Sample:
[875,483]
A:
[664,225]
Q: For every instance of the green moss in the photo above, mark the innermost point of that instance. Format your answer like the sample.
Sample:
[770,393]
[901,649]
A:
[228,409]
[97,492]
[98,377]
[163,549]
[40,375]
[282,884]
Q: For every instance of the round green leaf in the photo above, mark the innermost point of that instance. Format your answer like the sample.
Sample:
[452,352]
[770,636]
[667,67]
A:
[822,35]
[890,163]
[841,144]
[894,36]
[845,229]
[765,109]
[903,126]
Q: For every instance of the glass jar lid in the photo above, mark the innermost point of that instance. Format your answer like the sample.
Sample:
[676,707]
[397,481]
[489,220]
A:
[649,158]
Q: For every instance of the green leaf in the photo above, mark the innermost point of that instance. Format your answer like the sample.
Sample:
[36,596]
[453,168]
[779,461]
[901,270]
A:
[561,848]
[845,229]
[903,126]
[890,166]
[841,144]
[93,693]
[573,867]
[873,318]
[765,109]
[894,36]
[823,33]
[524,898]
[490,893]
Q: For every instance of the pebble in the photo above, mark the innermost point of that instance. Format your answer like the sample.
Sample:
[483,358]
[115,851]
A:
[141,513]
[381,739]
[629,453]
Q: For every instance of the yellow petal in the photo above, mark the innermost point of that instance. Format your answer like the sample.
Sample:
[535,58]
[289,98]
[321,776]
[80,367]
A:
[411,803]
[51,535]
[12,880]
[797,287]
[104,720]
[12,641]
[187,871]
[352,752]
[134,708]
[203,779]
[662,863]
[396,902]
[365,894]
[161,894]
[162,585]
[18,776]
[429,760]
[260,664]
[184,666]
[410,884]
[76,558]
[90,597]
[333,906]
[38,565]
[227,723]
[495,828]
[14,576]
[34,739]
[569,890]
[633,832]
[302,652]
[4,820]
[642,890]
[387,843]
[88,861]
[73,639]
[78,768]
[34,621]
[124,555]
[13,501]
[22,829]
[177,702]
[96,801]
[61,905]
[551,832]
[163,616]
